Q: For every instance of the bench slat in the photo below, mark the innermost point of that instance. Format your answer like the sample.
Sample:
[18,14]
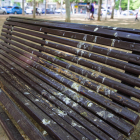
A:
[19,117]
[8,126]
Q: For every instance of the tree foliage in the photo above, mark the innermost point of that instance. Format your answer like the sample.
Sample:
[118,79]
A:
[134,4]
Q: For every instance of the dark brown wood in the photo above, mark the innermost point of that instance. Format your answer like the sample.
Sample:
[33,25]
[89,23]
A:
[33,81]
[104,69]
[30,130]
[99,123]
[86,29]
[121,87]
[92,95]
[46,122]
[113,95]
[8,126]
[46,59]
[136,31]
[90,38]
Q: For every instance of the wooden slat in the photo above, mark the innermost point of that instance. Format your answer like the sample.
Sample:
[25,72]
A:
[30,130]
[8,126]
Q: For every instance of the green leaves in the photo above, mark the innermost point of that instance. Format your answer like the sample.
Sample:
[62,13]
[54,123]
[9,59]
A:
[134,4]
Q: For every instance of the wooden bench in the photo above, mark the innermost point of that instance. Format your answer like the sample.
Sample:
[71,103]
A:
[76,81]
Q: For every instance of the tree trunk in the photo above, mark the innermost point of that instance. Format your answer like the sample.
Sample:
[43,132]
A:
[34,9]
[112,14]
[45,7]
[23,7]
[128,4]
[99,9]
[67,19]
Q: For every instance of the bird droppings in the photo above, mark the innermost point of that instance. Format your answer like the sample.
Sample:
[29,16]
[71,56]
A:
[95,39]
[107,92]
[95,120]
[46,122]
[114,28]
[46,42]
[60,113]
[36,100]
[110,115]
[113,42]
[116,34]
[26,93]
[90,104]
[26,103]
[85,38]
[103,79]
[79,45]
[44,132]
[98,88]
[66,100]
[101,113]
[40,28]
[74,104]
[96,29]
[76,86]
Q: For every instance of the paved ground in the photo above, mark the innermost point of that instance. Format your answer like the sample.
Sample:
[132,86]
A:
[117,22]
